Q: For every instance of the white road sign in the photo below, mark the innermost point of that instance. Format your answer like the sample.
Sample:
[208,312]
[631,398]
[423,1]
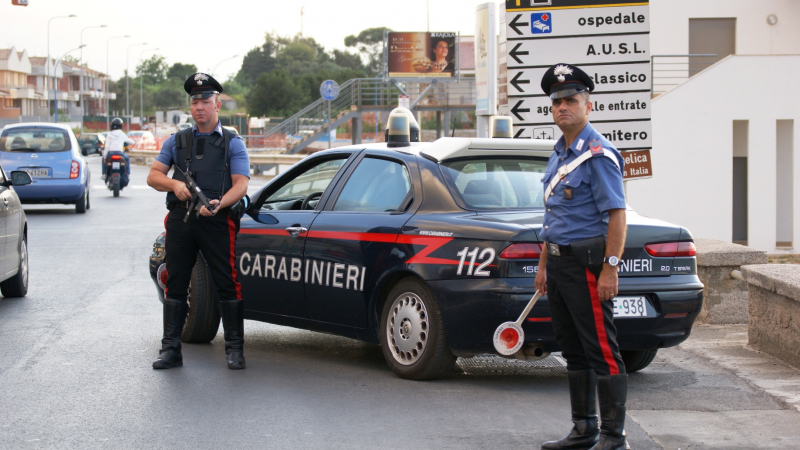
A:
[579,21]
[624,135]
[607,78]
[607,40]
[614,106]
[578,50]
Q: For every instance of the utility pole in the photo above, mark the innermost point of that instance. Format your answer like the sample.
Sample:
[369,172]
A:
[301,20]
[80,87]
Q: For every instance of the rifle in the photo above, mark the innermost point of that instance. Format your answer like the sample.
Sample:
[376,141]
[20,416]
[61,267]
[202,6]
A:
[197,194]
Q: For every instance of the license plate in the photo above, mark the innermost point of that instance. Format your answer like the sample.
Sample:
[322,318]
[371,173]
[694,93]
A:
[37,173]
[115,165]
[630,307]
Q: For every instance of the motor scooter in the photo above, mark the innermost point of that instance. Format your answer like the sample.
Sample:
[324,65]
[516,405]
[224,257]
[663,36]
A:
[116,171]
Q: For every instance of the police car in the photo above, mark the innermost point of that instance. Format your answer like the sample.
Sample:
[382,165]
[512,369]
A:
[425,248]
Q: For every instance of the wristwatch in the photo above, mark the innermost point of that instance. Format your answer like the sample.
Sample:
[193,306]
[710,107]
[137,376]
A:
[612,261]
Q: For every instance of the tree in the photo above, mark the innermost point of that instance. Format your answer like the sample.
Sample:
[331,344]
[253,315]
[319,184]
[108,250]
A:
[276,93]
[258,61]
[348,60]
[153,70]
[180,71]
[370,44]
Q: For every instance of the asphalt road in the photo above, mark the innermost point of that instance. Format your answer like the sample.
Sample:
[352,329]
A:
[76,353]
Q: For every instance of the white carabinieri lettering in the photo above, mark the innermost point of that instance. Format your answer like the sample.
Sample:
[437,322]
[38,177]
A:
[320,273]
[635,265]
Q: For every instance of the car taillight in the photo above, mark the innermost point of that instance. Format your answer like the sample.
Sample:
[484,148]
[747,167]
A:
[74,170]
[671,249]
[522,251]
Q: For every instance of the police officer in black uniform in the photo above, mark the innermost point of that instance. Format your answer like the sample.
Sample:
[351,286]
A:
[584,234]
[217,160]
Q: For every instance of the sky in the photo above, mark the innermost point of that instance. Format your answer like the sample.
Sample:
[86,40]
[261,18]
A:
[208,32]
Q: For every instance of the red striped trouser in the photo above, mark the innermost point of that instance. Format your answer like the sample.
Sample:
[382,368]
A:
[584,325]
[216,238]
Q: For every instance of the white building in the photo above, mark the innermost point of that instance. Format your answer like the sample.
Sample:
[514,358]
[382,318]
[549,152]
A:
[724,140]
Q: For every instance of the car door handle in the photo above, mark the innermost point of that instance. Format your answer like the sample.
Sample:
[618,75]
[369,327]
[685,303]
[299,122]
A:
[294,231]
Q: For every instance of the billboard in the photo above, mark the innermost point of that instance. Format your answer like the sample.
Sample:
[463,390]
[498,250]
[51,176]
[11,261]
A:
[422,55]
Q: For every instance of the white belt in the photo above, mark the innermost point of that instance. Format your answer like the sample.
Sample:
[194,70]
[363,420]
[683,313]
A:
[567,168]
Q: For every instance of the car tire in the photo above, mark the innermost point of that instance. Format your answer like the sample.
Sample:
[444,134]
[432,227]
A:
[80,205]
[88,200]
[412,333]
[202,322]
[636,360]
[17,286]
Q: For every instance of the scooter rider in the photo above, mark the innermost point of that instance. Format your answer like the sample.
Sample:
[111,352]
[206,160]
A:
[115,142]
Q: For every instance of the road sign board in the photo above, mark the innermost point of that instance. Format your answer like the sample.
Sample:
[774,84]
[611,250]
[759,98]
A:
[613,77]
[637,165]
[614,106]
[631,135]
[579,50]
[608,39]
[329,89]
[578,21]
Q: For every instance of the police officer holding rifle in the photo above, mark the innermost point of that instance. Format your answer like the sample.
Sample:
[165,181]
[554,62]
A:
[584,233]
[211,176]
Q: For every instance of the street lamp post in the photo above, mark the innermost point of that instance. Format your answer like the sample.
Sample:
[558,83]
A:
[108,119]
[128,82]
[226,59]
[55,86]
[47,63]
[141,73]
[80,90]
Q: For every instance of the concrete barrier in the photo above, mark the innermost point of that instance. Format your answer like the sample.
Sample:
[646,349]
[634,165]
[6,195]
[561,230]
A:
[725,294]
[774,306]
[145,157]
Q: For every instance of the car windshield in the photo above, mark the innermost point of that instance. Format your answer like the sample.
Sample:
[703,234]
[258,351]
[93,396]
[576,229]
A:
[496,183]
[87,138]
[35,139]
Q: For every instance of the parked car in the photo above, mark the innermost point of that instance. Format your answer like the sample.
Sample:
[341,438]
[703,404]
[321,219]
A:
[425,250]
[92,143]
[14,254]
[50,154]
[143,140]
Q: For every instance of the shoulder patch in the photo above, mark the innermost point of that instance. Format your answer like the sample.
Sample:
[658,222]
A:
[596,147]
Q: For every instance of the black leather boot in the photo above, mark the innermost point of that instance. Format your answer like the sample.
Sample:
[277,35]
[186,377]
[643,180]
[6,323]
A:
[583,398]
[612,391]
[232,312]
[174,317]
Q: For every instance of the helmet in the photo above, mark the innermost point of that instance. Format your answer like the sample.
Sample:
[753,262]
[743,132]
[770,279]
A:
[116,124]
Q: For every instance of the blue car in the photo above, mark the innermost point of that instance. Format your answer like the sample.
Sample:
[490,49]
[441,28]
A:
[51,155]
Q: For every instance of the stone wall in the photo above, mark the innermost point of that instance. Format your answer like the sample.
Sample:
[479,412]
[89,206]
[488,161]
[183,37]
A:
[774,306]
[724,297]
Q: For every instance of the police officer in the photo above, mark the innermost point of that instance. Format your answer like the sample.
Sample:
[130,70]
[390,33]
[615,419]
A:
[218,162]
[584,216]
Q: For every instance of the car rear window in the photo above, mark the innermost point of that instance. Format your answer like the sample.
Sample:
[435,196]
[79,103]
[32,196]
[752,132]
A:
[496,183]
[34,139]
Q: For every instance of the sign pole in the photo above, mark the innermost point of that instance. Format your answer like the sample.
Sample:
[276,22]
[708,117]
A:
[329,124]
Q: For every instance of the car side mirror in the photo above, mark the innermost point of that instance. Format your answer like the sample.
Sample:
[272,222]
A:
[20,178]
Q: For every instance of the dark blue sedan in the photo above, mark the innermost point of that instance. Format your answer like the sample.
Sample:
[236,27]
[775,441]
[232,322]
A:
[51,155]
[425,250]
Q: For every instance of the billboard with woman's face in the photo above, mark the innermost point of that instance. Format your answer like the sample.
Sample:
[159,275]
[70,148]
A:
[420,55]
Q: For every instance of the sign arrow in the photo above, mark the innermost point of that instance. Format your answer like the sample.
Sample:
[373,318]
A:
[514,24]
[519,133]
[516,81]
[513,53]
[516,110]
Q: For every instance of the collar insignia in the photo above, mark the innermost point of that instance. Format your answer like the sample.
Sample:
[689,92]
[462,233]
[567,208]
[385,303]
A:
[560,71]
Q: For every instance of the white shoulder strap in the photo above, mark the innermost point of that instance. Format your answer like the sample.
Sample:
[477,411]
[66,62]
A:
[563,171]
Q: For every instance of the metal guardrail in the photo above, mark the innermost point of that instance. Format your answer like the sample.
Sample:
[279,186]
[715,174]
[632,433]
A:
[147,157]
[360,95]
[673,70]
